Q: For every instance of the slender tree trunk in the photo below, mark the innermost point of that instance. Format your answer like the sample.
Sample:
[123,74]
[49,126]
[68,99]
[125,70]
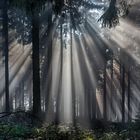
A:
[17,96]
[22,94]
[36,64]
[60,78]
[72,73]
[104,96]
[94,104]
[112,92]
[123,93]
[129,95]
[89,103]
[72,81]
[6,51]
[49,58]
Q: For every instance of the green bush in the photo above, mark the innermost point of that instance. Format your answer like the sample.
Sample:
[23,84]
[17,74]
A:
[110,136]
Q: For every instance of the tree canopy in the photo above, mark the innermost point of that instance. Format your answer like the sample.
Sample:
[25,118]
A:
[110,18]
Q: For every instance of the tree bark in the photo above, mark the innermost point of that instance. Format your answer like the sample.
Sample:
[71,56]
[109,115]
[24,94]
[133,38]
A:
[6,52]
[129,95]
[36,64]
[112,107]
[123,93]
[49,58]
[104,95]
[72,82]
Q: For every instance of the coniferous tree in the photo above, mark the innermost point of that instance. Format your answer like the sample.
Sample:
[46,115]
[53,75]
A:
[33,8]
[6,53]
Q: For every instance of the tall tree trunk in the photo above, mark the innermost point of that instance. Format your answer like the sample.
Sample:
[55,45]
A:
[94,104]
[72,82]
[49,57]
[60,78]
[36,64]
[129,95]
[72,73]
[112,109]
[104,95]
[6,51]
[123,93]
[22,94]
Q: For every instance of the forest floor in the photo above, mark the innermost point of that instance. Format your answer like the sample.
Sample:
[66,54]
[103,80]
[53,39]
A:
[24,126]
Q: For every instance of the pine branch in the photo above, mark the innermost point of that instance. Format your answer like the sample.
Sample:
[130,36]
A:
[110,18]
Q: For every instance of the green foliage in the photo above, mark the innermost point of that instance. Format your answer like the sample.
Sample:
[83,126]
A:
[13,129]
[68,133]
[50,132]
[63,132]
[10,130]
[110,136]
[39,133]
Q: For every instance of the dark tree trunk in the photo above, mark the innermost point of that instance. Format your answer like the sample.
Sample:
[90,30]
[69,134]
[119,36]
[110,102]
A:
[17,96]
[6,52]
[104,95]
[50,38]
[22,94]
[123,93]
[112,3]
[72,72]
[112,107]
[129,95]
[72,81]
[36,64]
[94,105]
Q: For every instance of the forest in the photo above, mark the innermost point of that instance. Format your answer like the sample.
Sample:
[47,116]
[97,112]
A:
[69,70]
